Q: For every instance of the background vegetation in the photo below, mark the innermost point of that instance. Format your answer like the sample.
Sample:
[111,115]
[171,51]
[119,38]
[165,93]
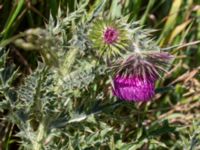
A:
[91,119]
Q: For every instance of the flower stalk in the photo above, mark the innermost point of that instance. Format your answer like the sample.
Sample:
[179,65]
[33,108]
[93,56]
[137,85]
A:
[41,134]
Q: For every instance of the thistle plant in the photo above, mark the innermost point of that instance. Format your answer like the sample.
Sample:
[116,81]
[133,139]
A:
[137,61]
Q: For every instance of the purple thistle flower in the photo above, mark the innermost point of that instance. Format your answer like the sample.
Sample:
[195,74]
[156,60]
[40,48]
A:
[134,88]
[110,35]
[136,75]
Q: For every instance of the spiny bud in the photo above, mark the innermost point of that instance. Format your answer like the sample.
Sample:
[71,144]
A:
[109,37]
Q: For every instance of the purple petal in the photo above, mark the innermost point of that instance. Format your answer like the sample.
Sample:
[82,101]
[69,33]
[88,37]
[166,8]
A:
[110,35]
[134,88]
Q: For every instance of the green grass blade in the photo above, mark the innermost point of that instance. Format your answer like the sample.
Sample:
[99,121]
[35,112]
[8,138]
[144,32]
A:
[171,21]
[12,18]
[144,17]
[53,4]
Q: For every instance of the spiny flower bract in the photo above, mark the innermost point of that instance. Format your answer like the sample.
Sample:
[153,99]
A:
[136,75]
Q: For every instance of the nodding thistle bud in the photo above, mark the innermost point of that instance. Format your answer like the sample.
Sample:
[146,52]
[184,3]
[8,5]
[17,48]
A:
[109,37]
[136,76]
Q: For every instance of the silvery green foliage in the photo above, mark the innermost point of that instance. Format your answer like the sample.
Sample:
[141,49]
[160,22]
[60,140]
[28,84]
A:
[44,111]
[65,103]
[8,74]
[48,106]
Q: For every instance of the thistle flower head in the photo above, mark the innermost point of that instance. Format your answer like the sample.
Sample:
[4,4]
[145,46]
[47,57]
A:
[136,75]
[109,37]
[134,88]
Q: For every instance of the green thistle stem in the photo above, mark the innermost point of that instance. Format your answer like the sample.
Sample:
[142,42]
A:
[66,66]
[69,61]
[41,133]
